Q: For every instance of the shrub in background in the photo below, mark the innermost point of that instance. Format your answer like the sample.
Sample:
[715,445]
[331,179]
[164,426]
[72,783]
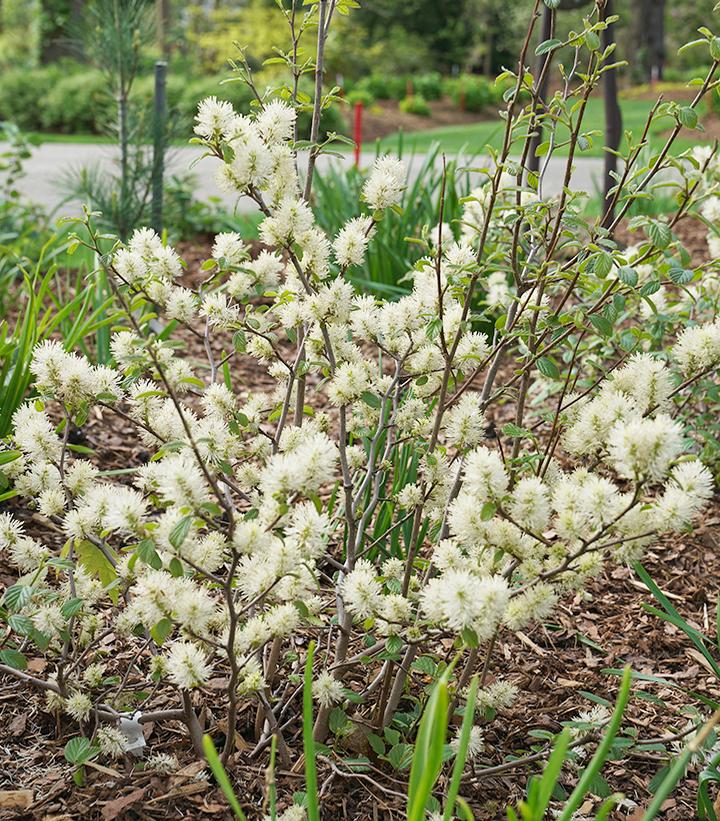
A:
[415,104]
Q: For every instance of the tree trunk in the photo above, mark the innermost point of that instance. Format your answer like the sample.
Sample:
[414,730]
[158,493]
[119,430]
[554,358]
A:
[57,19]
[542,75]
[162,8]
[613,120]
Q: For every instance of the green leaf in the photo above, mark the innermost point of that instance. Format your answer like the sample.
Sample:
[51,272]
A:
[180,532]
[680,276]
[161,631]
[146,552]
[659,234]
[687,116]
[461,756]
[376,743]
[428,756]
[592,41]
[547,367]
[602,324]
[71,607]
[311,784]
[22,625]
[9,456]
[17,596]
[547,45]
[221,776]
[371,399]
[601,753]
[79,750]
[97,564]
[628,275]
[487,511]
[13,658]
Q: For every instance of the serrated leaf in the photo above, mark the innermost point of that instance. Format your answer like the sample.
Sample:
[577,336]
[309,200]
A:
[659,234]
[146,552]
[680,276]
[487,511]
[71,607]
[79,750]
[17,596]
[628,275]
[687,116]
[13,658]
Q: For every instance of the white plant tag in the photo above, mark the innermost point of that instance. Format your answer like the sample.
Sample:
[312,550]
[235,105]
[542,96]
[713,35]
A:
[132,730]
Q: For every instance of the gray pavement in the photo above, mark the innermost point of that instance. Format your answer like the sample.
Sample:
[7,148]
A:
[42,182]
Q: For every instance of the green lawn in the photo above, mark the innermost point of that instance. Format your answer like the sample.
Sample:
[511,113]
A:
[474,138]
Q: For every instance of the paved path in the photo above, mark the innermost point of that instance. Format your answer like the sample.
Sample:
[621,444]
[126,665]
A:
[42,182]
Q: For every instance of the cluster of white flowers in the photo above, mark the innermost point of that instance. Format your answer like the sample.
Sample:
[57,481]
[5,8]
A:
[262,514]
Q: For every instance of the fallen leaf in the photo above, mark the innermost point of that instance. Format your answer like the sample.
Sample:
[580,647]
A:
[113,809]
[18,724]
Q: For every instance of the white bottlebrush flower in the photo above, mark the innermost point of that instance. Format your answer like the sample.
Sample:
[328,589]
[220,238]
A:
[532,605]
[327,690]
[472,351]
[10,530]
[352,240]
[187,665]
[146,242]
[349,382]
[250,166]
[476,742]
[181,304]
[126,511]
[361,590]
[500,695]
[530,504]
[276,122]
[78,705]
[218,311]
[646,380]
[459,600]
[689,488]
[498,293]
[384,187]
[644,448]
[27,554]
[465,422]
[163,763]
[291,220]
[698,348]
[213,118]
[112,742]
[130,266]
[230,247]
[485,475]
[293,813]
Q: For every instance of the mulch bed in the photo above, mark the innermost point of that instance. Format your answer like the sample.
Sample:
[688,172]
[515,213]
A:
[606,627]
[384,117]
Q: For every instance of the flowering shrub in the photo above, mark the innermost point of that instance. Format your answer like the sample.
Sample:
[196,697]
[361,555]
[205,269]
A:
[410,487]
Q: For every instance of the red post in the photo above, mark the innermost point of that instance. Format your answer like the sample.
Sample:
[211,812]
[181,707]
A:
[357,132]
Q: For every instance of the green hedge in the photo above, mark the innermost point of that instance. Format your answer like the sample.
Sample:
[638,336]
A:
[70,98]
